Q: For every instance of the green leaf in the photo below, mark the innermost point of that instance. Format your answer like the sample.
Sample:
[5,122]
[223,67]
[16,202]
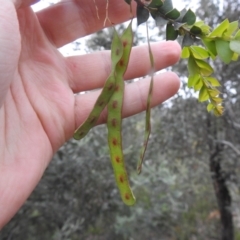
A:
[142,14]
[204,27]
[237,35]
[213,92]
[185,52]
[203,94]
[211,46]
[213,81]
[198,85]
[182,13]
[210,107]
[218,110]
[235,46]
[205,68]
[192,66]
[171,33]
[199,52]
[189,17]
[233,26]
[155,4]
[217,100]
[224,51]
[235,57]
[193,80]
[167,6]
[220,29]
[195,30]
[173,14]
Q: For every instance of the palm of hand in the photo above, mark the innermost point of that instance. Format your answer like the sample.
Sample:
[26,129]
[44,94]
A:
[38,109]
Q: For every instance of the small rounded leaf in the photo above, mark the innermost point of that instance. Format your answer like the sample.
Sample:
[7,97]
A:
[173,14]
[199,52]
[220,29]
[171,33]
[211,46]
[192,66]
[235,46]
[156,4]
[196,30]
[185,52]
[213,81]
[210,107]
[224,51]
[204,68]
[189,17]
[167,7]
[203,94]
[193,80]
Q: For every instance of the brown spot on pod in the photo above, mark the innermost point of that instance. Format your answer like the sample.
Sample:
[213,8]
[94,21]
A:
[110,86]
[114,141]
[115,104]
[117,87]
[125,42]
[100,104]
[121,62]
[81,134]
[114,122]
[93,119]
[121,178]
[117,159]
[127,196]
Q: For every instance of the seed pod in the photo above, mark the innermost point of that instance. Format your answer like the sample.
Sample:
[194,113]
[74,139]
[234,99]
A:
[148,110]
[114,122]
[105,95]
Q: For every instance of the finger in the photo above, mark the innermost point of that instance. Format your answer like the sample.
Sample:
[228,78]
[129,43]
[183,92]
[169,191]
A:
[71,19]
[24,3]
[91,71]
[135,97]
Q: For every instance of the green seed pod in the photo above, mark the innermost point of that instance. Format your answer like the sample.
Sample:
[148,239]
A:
[114,122]
[105,95]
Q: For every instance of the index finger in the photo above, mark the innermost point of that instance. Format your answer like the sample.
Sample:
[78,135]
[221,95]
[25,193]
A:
[71,19]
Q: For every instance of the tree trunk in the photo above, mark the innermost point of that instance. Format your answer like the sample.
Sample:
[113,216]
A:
[222,193]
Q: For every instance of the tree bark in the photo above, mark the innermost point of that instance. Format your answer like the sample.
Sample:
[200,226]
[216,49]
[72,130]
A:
[222,193]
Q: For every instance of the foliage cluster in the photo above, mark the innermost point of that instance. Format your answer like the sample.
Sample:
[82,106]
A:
[223,41]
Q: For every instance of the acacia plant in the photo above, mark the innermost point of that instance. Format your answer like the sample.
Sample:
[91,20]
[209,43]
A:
[199,45]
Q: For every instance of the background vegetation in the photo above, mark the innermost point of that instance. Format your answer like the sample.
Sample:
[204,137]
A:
[192,158]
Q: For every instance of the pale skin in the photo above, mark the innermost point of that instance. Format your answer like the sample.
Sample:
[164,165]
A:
[38,108]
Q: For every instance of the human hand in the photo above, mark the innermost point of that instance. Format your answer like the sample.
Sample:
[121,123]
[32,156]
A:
[39,110]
